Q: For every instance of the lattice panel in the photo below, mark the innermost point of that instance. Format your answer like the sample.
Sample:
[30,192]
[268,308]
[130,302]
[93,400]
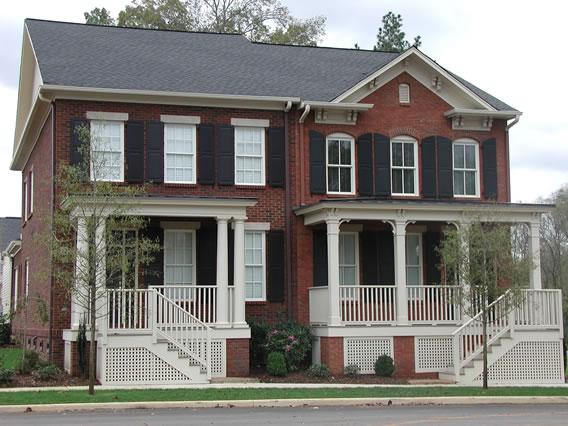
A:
[139,365]
[433,353]
[217,358]
[530,362]
[364,352]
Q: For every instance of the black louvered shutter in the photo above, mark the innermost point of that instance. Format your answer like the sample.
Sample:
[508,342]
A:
[206,255]
[445,169]
[317,163]
[155,151]
[385,245]
[155,269]
[490,168]
[276,266]
[369,257]
[382,166]
[134,151]
[226,155]
[276,157]
[206,154]
[432,257]
[428,148]
[365,164]
[78,139]
[320,258]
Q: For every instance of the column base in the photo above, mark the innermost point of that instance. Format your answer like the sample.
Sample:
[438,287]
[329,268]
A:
[242,324]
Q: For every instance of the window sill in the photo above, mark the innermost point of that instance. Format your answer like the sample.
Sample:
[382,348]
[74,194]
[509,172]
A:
[249,186]
[405,104]
[180,185]
[256,302]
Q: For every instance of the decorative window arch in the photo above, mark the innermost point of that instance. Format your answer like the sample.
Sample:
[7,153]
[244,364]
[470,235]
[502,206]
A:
[404,165]
[465,162]
[340,161]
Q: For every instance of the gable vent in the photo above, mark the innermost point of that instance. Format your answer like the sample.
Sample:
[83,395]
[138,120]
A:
[404,93]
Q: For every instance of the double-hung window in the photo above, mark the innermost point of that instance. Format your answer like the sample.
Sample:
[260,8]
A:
[179,257]
[180,153]
[413,259]
[249,155]
[466,168]
[348,261]
[255,255]
[404,153]
[340,155]
[107,150]
[122,259]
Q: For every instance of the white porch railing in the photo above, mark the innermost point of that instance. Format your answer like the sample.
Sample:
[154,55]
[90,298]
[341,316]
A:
[367,304]
[433,304]
[199,300]
[540,308]
[128,309]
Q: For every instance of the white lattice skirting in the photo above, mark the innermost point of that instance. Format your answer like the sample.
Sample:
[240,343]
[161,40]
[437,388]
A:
[363,352]
[218,366]
[528,362]
[433,354]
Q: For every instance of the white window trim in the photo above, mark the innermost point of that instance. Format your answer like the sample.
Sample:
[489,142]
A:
[193,253]
[16,284]
[262,155]
[467,141]
[420,260]
[263,274]
[340,136]
[107,116]
[27,282]
[249,122]
[405,139]
[31,191]
[193,154]
[121,178]
[401,87]
[26,194]
[180,119]
[254,226]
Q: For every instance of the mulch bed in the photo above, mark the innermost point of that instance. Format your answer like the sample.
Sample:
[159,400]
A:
[30,381]
[300,377]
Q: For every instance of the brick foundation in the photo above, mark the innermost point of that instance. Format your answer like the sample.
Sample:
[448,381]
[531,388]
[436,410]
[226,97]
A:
[237,357]
[332,354]
[404,359]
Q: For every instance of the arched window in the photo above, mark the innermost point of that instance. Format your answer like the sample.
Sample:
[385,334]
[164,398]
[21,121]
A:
[404,165]
[340,158]
[466,167]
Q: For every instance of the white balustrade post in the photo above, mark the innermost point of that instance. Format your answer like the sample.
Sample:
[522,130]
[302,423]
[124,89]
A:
[333,270]
[239,275]
[155,315]
[456,356]
[534,244]
[79,297]
[400,272]
[222,273]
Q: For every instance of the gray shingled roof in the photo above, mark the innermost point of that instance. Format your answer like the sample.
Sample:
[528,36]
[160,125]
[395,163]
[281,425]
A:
[10,229]
[82,55]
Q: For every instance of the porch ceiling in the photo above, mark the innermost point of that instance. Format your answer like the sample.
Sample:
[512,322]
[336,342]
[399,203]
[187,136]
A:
[419,210]
[218,207]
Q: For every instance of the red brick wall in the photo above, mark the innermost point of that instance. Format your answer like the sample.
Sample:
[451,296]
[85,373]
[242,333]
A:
[332,354]
[404,359]
[237,357]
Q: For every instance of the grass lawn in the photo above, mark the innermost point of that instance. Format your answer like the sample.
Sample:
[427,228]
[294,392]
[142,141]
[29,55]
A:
[9,357]
[54,397]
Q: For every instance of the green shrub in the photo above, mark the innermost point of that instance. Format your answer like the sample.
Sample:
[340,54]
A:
[258,332]
[352,370]
[47,372]
[29,362]
[5,375]
[291,339]
[384,366]
[276,364]
[319,370]
[5,330]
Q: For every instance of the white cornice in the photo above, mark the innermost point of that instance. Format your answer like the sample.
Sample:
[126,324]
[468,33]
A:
[505,115]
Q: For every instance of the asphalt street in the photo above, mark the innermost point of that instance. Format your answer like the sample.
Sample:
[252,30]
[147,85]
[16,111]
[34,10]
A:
[541,414]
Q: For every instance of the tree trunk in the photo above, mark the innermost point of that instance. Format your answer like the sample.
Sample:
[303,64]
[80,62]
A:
[485,344]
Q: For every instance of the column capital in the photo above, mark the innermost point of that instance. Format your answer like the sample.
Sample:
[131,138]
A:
[222,219]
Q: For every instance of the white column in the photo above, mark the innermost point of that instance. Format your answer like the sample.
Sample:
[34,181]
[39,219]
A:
[100,247]
[534,244]
[333,270]
[400,272]
[239,275]
[222,274]
[79,294]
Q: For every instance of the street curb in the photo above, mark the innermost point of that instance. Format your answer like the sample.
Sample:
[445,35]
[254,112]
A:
[290,403]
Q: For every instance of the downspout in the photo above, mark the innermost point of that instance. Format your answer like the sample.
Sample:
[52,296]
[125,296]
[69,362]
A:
[288,210]
[507,127]
[302,156]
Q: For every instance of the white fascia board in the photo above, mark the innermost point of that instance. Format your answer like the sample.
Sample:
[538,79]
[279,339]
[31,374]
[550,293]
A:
[426,59]
[171,98]
[352,106]
[505,115]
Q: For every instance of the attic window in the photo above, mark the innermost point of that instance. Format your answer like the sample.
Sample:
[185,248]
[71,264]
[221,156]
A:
[404,93]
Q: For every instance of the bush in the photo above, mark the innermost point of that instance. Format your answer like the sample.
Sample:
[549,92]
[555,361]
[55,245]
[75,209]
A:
[276,364]
[258,332]
[352,370]
[291,339]
[319,370]
[384,366]
[47,372]
[29,363]
[5,375]
[5,330]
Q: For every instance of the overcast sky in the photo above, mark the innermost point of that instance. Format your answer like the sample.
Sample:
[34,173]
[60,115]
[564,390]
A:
[511,49]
